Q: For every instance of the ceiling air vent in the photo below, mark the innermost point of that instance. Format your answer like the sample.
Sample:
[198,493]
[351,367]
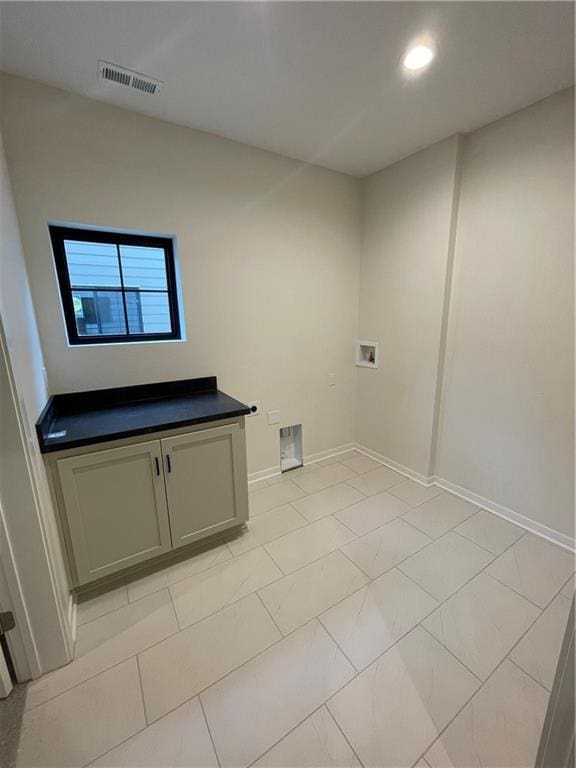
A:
[121,76]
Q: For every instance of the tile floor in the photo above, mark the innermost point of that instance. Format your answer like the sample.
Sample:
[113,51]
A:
[361,620]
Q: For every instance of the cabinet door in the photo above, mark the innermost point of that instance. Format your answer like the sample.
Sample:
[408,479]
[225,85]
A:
[206,482]
[115,504]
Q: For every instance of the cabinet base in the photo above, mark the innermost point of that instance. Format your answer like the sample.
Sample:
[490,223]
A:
[135,572]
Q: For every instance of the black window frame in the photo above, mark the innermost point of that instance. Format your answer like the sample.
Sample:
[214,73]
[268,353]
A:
[58,234]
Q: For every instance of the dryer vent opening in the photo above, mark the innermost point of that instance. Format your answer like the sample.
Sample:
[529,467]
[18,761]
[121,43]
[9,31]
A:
[291,447]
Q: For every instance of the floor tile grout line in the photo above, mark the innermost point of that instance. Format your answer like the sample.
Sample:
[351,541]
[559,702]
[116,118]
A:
[454,656]
[101,671]
[468,538]
[209,730]
[503,583]
[285,735]
[269,541]
[141,689]
[337,724]
[203,690]
[326,701]
[272,619]
[442,602]
[540,609]
[338,548]
[283,635]
[531,676]
[496,668]
[420,504]
[337,644]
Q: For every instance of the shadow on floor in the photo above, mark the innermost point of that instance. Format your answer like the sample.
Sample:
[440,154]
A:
[11,711]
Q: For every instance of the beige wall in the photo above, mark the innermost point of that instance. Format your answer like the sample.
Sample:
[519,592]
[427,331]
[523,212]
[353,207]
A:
[476,382]
[268,250]
[24,497]
[407,219]
[507,429]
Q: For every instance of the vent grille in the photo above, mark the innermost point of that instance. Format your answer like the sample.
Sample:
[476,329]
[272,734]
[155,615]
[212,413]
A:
[121,76]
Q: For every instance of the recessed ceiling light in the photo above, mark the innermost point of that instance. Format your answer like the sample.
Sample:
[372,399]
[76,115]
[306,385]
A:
[418,57]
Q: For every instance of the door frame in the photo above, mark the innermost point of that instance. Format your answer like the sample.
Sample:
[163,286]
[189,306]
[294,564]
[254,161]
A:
[42,638]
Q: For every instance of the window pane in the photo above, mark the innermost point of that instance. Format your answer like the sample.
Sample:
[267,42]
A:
[99,313]
[148,312]
[92,264]
[143,267]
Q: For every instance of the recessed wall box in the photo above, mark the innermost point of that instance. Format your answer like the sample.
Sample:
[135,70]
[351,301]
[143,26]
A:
[367,354]
[291,447]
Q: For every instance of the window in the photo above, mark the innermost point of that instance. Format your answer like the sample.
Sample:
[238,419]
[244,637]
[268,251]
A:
[116,287]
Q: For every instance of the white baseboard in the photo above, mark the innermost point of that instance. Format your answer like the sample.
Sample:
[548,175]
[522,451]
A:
[508,514]
[406,471]
[497,509]
[262,474]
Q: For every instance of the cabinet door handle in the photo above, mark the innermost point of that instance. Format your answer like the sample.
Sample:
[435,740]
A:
[168,462]
[157,465]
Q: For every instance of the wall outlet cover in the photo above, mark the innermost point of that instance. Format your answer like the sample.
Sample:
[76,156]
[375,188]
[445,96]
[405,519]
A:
[254,408]
[273,417]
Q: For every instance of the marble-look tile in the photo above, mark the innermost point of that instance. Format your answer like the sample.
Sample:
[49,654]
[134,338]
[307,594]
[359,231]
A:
[442,513]
[307,544]
[104,642]
[377,480]
[178,740]
[490,531]
[266,527]
[372,513]
[100,605]
[83,723]
[500,726]
[253,485]
[395,709]
[316,743]
[281,477]
[259,703]
[361,463]
[182,666]
[199,561]
[299,597]
[446,565]
[414,493]
[481,623]
[275,495]
[209,591]
[516,568]
[337,458]
[538,651]
[328,501]
[382,549]
[371,620]
[324,477]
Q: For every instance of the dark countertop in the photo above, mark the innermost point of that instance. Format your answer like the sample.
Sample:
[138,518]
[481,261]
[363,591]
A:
[99,415]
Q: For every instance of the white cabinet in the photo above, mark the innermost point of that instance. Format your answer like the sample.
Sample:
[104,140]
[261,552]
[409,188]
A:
[125,505]
[115,506]
[206,487]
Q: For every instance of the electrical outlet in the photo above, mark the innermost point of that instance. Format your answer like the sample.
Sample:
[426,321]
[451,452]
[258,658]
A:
[254,408]
[331,379]
[273,417]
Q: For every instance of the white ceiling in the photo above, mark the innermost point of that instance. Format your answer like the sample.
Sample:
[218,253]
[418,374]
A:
[316,81]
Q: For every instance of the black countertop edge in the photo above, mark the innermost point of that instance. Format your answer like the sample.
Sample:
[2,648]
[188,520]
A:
[64,446]
[104,415]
